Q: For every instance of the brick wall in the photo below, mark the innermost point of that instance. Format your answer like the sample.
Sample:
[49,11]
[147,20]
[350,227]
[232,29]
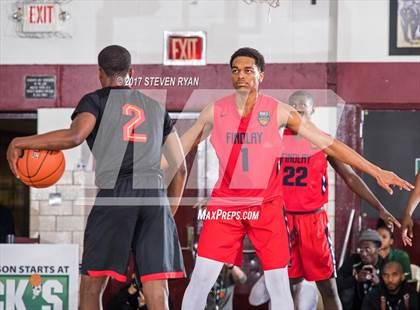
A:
[64,223]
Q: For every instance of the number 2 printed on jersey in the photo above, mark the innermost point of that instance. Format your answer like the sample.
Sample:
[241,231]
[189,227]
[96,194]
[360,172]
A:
[138,117]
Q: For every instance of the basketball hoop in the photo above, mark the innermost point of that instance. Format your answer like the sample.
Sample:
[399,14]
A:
[271,3]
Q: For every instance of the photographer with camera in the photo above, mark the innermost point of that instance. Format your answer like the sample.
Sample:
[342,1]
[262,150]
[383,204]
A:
[361,271]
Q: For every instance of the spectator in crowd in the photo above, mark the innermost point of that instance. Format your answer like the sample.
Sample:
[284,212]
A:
[221,295]
[393,293]
[7,226]
[388,252]
[360,272]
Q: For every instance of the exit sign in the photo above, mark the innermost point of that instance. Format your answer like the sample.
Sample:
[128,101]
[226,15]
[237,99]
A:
[184,48]
[41,17]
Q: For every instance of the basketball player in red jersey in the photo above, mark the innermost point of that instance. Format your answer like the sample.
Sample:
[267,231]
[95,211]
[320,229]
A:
[131,211]
[407,222]
[244,131]
[305,189]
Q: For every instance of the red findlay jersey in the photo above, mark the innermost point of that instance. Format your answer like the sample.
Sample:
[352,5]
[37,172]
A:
[247,149]
[303,168]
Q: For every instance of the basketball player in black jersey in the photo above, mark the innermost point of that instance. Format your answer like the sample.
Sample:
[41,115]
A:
[127,132]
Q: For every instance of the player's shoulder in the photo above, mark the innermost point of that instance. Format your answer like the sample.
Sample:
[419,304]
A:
[98,96]
[93,96]
[275,104]
[269,99]
[224,100]
[148,102]
[137,94]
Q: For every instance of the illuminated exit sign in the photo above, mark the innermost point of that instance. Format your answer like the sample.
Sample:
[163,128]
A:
[41,17]
[184,48]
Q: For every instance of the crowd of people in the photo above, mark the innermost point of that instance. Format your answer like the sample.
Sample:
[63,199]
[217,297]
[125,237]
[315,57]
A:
[374,277]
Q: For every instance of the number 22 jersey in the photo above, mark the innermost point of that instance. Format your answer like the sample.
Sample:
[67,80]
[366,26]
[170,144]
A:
[304,172]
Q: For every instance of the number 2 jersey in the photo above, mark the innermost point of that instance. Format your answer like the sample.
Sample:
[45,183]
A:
[247,149]
[304,171]
[128,136]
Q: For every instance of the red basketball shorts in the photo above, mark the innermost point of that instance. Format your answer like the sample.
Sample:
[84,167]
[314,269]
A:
[312,256]
[221,238]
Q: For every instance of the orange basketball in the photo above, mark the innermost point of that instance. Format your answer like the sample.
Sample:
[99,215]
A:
[41,168]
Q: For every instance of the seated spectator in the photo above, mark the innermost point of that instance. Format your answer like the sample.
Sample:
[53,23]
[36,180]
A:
[221,295]
[388,252]
[393,293]
[7,226]
[360,272]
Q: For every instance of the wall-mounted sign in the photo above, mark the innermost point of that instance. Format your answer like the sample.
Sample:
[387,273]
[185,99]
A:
[39,276]
[41,17]
[184,48]
[40,87]
[55,199]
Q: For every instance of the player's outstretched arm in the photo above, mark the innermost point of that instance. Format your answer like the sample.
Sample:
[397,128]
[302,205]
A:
[334,148]
[62,139]
[199,131]
[359,187]
[174,155]
[407,221]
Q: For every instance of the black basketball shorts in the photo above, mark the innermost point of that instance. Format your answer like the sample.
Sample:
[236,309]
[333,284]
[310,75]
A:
[125,219]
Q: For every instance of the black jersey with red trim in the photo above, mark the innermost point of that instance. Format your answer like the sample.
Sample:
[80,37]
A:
[128,135]
[304,172]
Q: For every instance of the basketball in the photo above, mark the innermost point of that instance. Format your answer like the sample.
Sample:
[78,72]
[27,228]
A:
[41,168]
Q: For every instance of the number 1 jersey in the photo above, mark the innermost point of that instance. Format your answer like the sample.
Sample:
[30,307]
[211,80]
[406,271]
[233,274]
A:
[247,149]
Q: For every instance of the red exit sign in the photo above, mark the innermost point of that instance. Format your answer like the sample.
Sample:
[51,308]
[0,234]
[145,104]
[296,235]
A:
[40,17]
[185,48]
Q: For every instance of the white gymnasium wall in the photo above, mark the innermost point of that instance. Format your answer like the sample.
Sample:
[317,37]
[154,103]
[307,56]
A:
[327,119]
[363,32]
[295,32]
[55,119]
[331,30]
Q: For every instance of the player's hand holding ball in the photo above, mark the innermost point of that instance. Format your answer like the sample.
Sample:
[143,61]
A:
[13,154]
[36,168]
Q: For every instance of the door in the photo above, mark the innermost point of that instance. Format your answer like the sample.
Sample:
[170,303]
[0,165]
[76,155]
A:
[391,139]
